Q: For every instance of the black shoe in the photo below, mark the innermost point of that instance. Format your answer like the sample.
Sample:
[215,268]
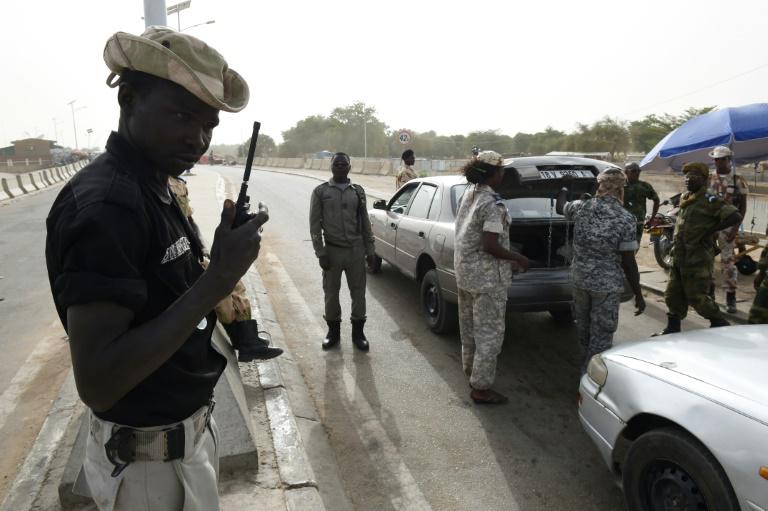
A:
[717,322]
[333,336]
[673,326]
[249,343]
[730,302]
[358,337]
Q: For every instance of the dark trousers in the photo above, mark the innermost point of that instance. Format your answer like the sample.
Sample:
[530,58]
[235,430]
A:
[350,261]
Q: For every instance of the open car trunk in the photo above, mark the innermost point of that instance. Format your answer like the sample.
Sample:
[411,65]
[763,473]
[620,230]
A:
[533,240]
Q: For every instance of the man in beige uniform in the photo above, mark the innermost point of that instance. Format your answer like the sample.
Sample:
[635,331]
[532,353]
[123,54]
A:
[343,241]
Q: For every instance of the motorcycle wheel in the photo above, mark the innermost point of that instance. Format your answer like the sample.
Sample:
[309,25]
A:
[662,251]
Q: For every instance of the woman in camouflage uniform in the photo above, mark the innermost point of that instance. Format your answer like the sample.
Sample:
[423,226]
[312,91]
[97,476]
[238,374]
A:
[483,273]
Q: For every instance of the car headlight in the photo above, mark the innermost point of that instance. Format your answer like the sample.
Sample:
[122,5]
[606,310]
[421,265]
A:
[597,370]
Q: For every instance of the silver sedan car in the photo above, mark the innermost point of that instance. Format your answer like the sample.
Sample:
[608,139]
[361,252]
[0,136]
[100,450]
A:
[682,420]
[414,232]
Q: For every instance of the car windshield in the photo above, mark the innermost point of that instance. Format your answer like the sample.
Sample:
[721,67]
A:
[521,208]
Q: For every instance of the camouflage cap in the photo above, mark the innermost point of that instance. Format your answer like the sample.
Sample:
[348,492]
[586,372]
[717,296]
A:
[696,167]
[182,59]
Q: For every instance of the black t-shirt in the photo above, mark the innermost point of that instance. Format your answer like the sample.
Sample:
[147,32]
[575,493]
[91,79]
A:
[114,236]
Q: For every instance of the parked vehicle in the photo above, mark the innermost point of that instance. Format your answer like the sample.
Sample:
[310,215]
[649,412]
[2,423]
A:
[414,233]
[662,231]
[682,420]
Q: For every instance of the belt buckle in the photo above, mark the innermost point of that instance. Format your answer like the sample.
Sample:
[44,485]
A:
[121,449]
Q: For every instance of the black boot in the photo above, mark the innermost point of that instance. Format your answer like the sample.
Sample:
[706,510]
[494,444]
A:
[673,326]
[333,336]
[250,345]
[716,322]
[358,337]
[730,302]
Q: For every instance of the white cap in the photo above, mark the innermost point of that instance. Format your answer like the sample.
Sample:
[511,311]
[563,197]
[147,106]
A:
[720,151]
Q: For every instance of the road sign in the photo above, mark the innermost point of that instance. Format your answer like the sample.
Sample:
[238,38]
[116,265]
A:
[405,137]
[178,7]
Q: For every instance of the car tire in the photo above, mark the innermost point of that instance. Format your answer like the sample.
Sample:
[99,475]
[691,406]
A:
[376,268]
[441,316]
[562,316]
[668,463]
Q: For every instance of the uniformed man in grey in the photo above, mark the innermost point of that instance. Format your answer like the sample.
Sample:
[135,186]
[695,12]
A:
[604,245]
[343,242]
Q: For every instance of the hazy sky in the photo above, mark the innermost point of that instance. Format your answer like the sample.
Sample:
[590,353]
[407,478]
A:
[445,65]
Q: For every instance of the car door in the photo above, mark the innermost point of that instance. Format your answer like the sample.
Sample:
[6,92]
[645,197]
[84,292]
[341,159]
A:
[386,232]
[414,228]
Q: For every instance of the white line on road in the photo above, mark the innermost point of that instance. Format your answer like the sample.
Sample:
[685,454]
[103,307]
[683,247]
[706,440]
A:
[379,447]
[25,375]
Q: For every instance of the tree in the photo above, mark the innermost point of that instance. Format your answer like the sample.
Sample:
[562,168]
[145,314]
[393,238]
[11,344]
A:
[646,133]
[265,146]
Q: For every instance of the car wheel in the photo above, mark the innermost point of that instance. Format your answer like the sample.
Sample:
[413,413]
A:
[562,316]
[376,268]
[441,316]
[667,469]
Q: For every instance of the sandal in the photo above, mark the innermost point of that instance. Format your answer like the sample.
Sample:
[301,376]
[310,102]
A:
[488,397]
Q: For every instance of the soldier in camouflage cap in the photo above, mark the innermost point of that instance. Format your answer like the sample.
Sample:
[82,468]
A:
[482,259]
[701,216]
[126,273]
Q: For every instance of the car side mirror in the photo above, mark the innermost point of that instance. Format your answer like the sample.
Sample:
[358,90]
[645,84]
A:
[380,204]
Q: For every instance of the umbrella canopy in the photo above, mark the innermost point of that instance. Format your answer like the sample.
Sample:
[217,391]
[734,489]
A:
[744,129]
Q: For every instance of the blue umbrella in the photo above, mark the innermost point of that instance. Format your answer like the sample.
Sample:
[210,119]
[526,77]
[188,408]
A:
[744,129]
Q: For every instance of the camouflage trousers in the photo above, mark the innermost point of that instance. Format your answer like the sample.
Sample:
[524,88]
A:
[236,306]
[597,318]
[690,286]
[350,261]
[728,261]
[759,311]
[481,323]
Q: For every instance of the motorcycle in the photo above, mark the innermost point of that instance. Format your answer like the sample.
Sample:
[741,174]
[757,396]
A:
[661,228]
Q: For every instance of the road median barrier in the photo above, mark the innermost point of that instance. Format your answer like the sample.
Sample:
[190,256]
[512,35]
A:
[32,182]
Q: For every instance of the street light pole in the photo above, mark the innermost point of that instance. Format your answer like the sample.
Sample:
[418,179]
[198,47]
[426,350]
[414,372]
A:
[74,125]
[365,138]
[154,13]
[197,25]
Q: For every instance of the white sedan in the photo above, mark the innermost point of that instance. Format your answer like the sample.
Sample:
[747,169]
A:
[682,420]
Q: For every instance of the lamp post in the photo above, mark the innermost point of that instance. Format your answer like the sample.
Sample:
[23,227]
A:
[177,8]
[198,24]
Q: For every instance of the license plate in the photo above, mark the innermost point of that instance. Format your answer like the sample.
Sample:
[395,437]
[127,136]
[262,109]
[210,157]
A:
[558,174]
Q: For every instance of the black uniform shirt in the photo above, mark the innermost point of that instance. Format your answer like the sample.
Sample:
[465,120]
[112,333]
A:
[116,235]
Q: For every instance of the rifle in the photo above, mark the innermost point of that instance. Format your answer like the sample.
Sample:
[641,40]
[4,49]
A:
[242,206]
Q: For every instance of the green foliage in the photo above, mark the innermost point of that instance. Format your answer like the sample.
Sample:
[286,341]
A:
[647,132]
[265,146]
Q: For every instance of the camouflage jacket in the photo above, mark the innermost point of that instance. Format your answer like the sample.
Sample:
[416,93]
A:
[635,197]
[179,188]
[603,229]
[700,212]
[338,216]
[477,271]
[404,174]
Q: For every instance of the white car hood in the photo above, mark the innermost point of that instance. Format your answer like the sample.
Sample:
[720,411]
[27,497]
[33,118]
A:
[734,359]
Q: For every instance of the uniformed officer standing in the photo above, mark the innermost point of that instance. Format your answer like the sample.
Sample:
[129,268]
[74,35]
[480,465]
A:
[483,263]
[343,242]
[759,311]
[636,193]
[406,172]
[234,311]
[125,271]
[701,216]
[604,246]
[733,189]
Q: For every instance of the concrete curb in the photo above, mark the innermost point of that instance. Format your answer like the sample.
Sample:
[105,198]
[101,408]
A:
[26,184]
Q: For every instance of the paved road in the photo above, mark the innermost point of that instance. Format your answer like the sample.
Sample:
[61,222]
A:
[404,432]
[35,357]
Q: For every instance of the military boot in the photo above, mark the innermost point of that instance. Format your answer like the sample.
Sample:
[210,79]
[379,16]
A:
[673,326]
[716,322]
[249,342]
[358,337]
[333,336]
[730,302]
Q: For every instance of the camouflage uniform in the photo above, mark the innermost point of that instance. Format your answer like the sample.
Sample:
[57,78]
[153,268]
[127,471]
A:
[723,187]
[693,254]
[340,229]
[405,174]
[603,229]
[635,196]
[759,311]
[482,280]
[236,306]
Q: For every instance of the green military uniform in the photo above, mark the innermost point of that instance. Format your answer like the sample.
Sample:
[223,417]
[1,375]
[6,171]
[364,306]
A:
[635,196]
[694,253]
[759,311]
